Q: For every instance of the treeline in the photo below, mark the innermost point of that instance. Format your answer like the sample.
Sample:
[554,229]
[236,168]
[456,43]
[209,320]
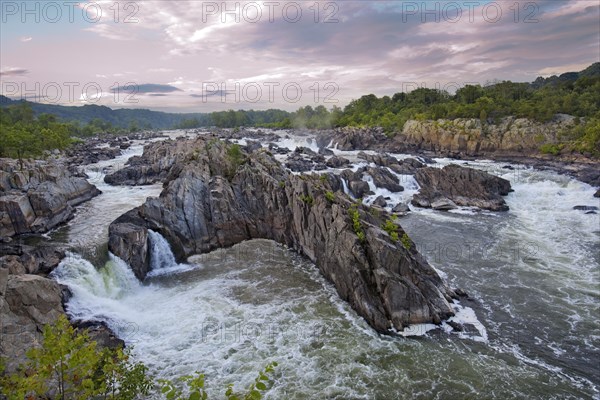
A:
[574,93]
[119,118]
[23,134]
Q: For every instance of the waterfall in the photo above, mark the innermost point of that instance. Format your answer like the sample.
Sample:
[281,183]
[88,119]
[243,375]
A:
[161,255]
[162,260]
[345,185]
[113,281]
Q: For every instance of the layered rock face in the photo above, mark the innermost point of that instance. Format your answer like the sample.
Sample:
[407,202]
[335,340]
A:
[153,166]
[200,210]
[454,185]
[27,301]
[38,197]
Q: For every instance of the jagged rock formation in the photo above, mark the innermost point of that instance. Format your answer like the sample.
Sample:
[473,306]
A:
[445,188]
[510,139]
[216,200]
[38,197]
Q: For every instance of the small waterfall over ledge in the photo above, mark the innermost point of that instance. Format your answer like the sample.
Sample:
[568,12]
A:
[162,259]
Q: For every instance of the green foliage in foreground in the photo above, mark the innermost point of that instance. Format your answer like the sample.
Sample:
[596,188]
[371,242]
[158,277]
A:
[70,366]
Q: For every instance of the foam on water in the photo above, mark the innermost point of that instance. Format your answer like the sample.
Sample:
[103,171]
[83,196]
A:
[535,329]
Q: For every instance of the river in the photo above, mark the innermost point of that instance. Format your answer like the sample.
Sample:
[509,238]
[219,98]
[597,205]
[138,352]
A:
[533,274]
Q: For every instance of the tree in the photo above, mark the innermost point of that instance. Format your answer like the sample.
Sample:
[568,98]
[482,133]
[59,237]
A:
[70,366]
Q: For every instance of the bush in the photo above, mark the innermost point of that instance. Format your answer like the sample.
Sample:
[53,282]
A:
[550,148]
[391,228]
[356,225]
[406,242]
[330,196]
[70,365]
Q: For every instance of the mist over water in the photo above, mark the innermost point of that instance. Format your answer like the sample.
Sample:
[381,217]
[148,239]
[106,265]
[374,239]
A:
[533,275]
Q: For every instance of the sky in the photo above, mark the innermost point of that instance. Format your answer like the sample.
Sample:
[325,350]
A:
[202,56]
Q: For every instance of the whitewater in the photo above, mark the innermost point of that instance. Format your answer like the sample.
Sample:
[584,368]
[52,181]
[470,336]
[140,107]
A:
[532,319]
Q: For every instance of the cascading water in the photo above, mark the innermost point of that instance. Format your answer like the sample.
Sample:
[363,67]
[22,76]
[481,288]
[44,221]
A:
[533,270]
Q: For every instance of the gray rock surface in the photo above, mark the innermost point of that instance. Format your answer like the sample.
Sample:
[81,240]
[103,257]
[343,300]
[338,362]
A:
[201,209]
[27,303]
[39,197]
[460,186]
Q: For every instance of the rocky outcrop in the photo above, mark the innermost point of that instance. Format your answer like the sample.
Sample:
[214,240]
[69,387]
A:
[382,178]
[202,209]
[453,185]
[304,159]
[510,139]
[337,162]
[39,196]
[27,303]
[471,136]
[153,166]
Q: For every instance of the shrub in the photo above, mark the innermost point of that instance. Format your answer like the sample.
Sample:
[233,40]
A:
[330,196]
[355,217]
[70,365]
[307,199]
[391,228]
[406,242]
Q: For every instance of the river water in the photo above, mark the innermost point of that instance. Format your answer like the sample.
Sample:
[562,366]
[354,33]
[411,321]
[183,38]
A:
[533,274]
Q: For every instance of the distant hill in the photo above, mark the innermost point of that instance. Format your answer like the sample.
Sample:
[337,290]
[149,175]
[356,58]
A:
[592,71]
[121,118]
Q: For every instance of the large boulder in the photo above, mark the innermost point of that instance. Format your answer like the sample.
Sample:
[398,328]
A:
[382,178]
[27,303]
[39,196]
[455,185]
[388,284]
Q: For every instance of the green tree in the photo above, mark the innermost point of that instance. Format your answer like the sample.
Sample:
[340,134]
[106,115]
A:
[69,366]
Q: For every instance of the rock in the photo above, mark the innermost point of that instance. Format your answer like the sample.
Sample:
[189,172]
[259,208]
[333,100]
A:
[359,189]
[99,332]
[3,280]
[278,150]
[380,159]
[40,197]
[39,260]
[443,204]
[154,165]
[408,166]
[597,194]
[585,208]
[201,210]
[462,186]
[401,208]
[456,326]
[252,145]
[29,302]
[337,162]
[383,178]
[324,151]
[380,202]
[130,241]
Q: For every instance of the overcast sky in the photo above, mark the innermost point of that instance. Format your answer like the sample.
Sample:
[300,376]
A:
[201,56]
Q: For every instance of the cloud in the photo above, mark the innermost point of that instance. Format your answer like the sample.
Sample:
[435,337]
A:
[146,88]
[26,39]
[10,71]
